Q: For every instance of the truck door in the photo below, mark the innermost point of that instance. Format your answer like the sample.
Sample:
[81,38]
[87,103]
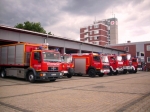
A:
[36,60]
[113,62]
[96,62]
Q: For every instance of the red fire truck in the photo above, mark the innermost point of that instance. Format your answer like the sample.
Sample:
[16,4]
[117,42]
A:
[67,65]
[136,62]
[128,66]
[90,63]
[116,64]
[30,61]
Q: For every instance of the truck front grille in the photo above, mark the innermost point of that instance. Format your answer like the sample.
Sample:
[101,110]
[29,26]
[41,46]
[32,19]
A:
[53,69]
[105,67]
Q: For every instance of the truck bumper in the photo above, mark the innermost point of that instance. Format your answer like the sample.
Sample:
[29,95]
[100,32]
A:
[48,75]
[127,67]
[140,69]
[119,69]
[105,71]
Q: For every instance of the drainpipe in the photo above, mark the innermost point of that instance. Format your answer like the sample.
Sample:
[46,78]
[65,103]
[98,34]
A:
[46,38]
[80,47]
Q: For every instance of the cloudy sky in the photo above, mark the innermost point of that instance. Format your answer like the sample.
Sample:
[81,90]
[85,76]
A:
[65,17]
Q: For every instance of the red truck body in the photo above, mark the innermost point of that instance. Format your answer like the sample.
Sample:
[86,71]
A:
[90,63]
[128,64]
[116,64]
[67,65]
[30,61]
[136,62]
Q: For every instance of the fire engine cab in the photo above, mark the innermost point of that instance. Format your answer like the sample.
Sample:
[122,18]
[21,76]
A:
[90,63]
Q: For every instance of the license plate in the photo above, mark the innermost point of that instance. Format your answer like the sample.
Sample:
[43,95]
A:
[53,74]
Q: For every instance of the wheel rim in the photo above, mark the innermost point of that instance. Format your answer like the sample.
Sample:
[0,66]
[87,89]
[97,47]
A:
[31,77]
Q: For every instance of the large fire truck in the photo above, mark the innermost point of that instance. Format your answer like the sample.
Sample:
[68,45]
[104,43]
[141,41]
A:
[67,65]
[90,63]
[116,64]
[30,61]
[128,66]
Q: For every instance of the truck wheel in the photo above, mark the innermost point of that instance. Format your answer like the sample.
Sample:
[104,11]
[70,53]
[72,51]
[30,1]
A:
[131,71]
[135,70]
[91,73]
[52,80]
[31,77]
[124,71]
[69,75]
[3,74]
[115,73]
[110,73]
[101,74]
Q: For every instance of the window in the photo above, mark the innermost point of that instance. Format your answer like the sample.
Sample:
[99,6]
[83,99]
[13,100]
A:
[97,43]
[108,27]
[37,56]
[142,54]
[90,27]
[126,49]
[90,32]
[148,59]
[95,26]
[148,47]
[96,58]
[137,53]
[95,38]
[96,31]
[90,38]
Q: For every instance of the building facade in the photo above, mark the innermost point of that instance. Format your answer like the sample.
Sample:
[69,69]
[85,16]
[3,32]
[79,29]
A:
[101,32]
[136,49]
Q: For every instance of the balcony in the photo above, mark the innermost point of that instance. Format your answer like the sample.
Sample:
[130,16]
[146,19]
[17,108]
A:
[86,31]
[86,36]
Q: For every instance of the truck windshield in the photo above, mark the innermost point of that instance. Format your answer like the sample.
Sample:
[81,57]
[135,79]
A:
[66,58]
[119,58]
[51,56]
[96,58]
[105,59]
[128,56]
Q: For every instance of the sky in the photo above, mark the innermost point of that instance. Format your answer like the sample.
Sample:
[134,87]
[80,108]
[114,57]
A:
[64,18]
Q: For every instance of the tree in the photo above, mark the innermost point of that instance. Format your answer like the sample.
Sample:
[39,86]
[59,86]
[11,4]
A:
[49,33]
[31,26]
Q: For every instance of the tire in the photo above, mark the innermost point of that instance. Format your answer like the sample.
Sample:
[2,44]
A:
[131,71]
[110,73]
[115,73]
[3,74]
[135,71]
[101,74]
[69,75]
[91,73]
[52,80]
[31,77]
[124,71]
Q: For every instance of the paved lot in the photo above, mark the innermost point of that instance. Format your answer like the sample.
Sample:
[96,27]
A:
[129,93]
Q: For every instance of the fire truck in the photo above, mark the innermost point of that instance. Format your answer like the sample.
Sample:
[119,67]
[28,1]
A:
[136,62]
[127,64]
[30,61]
[116,64]
[90,63]
[68,65]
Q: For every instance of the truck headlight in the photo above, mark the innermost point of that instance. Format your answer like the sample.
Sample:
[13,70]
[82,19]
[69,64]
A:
[60,73]
[44,74]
